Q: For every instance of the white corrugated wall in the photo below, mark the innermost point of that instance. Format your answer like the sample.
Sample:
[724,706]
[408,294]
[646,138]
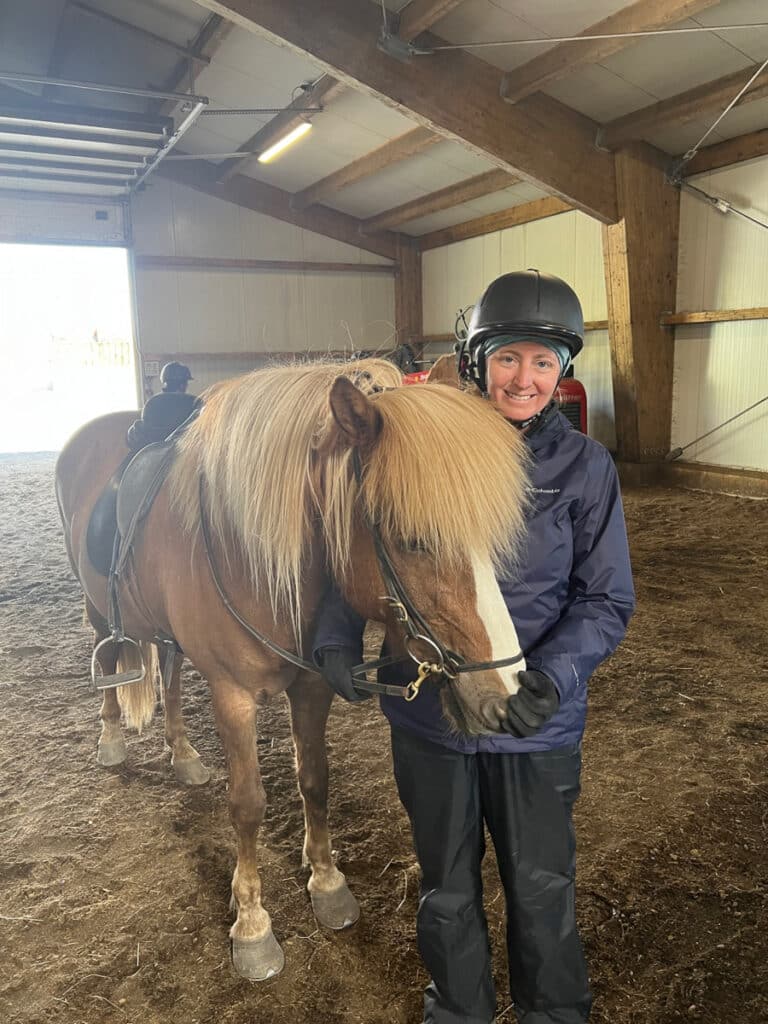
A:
[568,245]
[209,311]
[723,368]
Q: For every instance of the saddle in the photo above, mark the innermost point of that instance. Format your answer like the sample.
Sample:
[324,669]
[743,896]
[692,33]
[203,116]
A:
[127,489]
[130,490]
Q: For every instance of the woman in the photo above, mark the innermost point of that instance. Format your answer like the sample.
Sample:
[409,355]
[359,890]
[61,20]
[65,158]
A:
[570,600]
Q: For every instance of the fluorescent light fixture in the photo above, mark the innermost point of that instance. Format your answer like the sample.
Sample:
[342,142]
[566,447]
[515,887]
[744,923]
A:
[287,140]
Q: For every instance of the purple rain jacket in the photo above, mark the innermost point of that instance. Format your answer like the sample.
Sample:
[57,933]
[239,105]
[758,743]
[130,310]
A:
[570,597]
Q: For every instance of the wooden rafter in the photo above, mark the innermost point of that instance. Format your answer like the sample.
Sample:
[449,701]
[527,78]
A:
[274,202]
[322,92]
[522,214]
[392,152]
[420,15]
[563,59]
[456,95]
[732,151]
[326,89]
[187,52]
[443,199]
[685,106]
[212,34]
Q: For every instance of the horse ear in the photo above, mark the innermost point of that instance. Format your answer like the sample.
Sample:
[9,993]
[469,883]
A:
[357,416]
[444,371]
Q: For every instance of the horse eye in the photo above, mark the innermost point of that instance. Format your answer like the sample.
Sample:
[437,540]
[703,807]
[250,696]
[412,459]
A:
[415,547]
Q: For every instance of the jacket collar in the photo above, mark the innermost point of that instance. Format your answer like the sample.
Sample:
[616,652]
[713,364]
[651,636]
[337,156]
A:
[551,426]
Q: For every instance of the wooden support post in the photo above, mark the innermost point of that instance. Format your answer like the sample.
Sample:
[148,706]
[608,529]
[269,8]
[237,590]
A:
[408,306]
[640,255]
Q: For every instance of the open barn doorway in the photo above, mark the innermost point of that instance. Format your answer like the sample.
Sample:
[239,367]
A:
[66,341]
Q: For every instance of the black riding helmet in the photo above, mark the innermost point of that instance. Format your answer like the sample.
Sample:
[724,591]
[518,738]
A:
[526,305]
[174,376]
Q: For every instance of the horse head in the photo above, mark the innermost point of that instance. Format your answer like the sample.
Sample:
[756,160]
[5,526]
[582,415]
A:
[439,486]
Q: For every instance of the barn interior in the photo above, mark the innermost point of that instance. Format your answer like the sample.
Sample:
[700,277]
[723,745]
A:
[289,179]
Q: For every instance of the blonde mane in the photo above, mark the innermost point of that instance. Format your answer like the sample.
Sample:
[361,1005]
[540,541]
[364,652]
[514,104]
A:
[447,474]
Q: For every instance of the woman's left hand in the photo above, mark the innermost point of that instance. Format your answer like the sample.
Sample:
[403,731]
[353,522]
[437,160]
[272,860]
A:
[533,704]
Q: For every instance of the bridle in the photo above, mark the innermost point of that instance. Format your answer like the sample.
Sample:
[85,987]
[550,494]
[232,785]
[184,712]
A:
[442,663]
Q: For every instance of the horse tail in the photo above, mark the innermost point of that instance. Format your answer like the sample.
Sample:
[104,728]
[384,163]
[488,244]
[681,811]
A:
[137,701]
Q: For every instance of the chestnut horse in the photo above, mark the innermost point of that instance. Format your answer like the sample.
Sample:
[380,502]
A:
[289,467]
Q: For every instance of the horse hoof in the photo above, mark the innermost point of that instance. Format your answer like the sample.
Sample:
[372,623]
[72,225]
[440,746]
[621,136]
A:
[338,909]
[257,959]
[191,771]
[111,752]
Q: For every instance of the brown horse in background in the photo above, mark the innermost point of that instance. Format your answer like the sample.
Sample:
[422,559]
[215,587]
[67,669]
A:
[269,465]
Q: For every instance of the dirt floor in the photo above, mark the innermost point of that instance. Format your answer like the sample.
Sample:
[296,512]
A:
[114,883]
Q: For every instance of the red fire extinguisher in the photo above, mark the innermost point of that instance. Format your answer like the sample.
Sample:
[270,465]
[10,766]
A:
[573,400]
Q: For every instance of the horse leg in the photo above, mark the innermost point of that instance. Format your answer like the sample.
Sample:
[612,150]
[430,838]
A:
[333,904]
[111,748]
[256,954]
[187,766]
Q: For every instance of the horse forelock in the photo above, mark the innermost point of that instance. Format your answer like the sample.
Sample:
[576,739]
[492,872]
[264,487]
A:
[449,475]
[255,444]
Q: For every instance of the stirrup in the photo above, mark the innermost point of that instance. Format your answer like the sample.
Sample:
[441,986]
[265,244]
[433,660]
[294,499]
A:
[134,675]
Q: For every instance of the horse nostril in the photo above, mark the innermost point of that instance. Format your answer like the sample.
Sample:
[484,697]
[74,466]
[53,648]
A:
[494,713]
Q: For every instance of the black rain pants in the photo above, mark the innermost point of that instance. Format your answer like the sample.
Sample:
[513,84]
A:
[526,801]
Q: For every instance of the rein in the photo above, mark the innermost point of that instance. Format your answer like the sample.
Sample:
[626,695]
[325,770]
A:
[445,665]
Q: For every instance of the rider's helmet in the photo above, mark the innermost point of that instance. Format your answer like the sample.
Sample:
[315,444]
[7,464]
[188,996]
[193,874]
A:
[526,305]
[174,376]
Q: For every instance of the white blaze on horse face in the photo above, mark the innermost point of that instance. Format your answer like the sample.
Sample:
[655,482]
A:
[499,626]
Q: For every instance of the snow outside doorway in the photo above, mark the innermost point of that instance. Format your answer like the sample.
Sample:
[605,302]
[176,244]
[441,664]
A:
[66,342]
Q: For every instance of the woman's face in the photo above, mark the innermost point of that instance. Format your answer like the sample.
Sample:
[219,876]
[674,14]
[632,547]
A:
[522,378]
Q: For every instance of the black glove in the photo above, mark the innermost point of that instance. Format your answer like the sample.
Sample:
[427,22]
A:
[533,704]
[336,664]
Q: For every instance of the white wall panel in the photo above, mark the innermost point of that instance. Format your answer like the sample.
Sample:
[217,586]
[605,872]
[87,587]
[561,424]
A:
[568,245]
[722,368]
[209,311]
[61,220]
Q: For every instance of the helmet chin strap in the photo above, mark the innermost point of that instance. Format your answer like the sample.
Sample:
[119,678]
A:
[537,420]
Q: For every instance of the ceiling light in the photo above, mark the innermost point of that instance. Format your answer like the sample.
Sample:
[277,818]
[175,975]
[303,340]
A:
[287,140]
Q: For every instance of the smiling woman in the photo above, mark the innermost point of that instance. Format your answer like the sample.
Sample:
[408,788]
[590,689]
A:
[66,341]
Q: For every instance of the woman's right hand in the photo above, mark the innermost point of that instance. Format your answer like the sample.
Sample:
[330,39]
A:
[533,704]
[336,664]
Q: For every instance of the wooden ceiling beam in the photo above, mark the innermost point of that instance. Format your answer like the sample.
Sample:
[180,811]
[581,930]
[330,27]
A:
[732,151]
[510,218]
[274,202]
[420,15]
[443,199]
[187,52]
[392,152]
[685,106]
[563,59]
[327,88]
[212,34]
[454,94]
[321,93]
